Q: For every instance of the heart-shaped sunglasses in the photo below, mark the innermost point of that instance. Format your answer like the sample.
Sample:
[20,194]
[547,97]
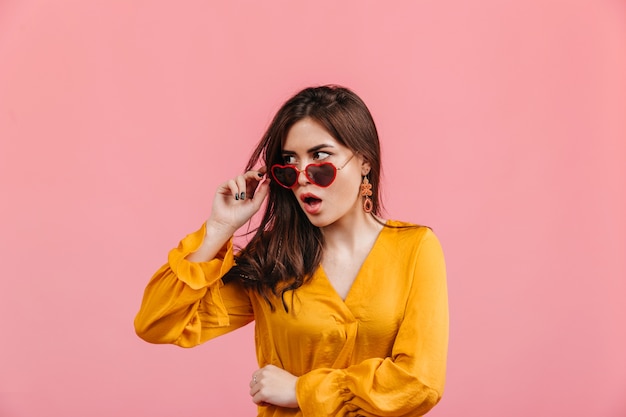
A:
[321,174]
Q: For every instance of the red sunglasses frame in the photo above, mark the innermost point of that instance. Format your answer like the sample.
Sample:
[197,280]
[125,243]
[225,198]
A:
[306,173]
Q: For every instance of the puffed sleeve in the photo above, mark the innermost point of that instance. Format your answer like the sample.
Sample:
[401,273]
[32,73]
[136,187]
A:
[409,382]
[186,303]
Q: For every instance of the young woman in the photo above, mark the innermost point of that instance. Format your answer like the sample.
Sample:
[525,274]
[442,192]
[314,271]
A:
[350,310]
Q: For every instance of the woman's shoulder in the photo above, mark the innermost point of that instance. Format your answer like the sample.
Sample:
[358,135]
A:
[406,226]
[406,231]
[410,239]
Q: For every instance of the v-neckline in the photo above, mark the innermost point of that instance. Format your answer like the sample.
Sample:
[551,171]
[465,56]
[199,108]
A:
[357,278]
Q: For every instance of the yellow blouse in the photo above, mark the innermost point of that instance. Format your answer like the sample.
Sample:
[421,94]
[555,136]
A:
[380,352]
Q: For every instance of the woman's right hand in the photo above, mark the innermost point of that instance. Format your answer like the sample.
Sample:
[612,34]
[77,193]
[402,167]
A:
[237,200]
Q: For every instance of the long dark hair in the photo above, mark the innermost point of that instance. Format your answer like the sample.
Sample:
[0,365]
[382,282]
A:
[286,249]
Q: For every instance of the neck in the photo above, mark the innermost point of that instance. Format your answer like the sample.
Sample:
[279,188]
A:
[352,232]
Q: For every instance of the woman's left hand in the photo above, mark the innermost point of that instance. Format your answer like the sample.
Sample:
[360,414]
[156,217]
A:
[272,385]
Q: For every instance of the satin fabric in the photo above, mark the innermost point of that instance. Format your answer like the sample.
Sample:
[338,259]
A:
[380,352]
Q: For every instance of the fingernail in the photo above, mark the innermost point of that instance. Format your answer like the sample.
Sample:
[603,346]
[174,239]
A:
[243,196]
[259,174]
[236,196]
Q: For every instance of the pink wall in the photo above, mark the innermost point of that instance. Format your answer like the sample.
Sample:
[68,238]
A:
[503,127]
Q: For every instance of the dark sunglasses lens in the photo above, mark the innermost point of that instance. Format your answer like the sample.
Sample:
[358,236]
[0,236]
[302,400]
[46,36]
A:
[285,176]
[322,175]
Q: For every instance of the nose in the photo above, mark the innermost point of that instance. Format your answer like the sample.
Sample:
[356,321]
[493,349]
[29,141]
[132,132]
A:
[302,178]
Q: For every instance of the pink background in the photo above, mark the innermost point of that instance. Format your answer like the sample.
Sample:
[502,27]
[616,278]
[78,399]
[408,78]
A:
[503,128]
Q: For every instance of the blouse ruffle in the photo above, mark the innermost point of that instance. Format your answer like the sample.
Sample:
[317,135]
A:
[201,275]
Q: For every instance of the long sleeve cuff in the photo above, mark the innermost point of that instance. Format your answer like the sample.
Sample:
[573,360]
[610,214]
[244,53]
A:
[201,275]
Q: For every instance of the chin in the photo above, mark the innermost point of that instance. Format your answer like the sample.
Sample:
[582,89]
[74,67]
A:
[318,221]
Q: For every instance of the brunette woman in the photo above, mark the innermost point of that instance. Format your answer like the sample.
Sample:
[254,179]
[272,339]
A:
[350,309]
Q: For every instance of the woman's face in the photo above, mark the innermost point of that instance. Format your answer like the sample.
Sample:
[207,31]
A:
[307,143]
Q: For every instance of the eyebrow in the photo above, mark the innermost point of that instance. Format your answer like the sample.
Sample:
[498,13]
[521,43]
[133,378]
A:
[311,150]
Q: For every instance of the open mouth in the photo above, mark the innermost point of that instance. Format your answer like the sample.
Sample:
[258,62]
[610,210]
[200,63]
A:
[311,203]
[311,200]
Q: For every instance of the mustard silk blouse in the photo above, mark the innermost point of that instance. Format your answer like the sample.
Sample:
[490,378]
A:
[380,352]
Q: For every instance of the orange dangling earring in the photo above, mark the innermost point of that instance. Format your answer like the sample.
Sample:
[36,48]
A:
[366,191]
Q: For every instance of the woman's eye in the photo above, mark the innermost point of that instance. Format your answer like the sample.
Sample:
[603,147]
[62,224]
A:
[289,160]
[320,155]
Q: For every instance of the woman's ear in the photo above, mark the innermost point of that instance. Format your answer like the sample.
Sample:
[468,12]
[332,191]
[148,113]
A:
[365,166]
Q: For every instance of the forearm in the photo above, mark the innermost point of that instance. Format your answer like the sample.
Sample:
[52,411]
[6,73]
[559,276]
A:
[168,309]
[375,387]
[173,302]
[215,237]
